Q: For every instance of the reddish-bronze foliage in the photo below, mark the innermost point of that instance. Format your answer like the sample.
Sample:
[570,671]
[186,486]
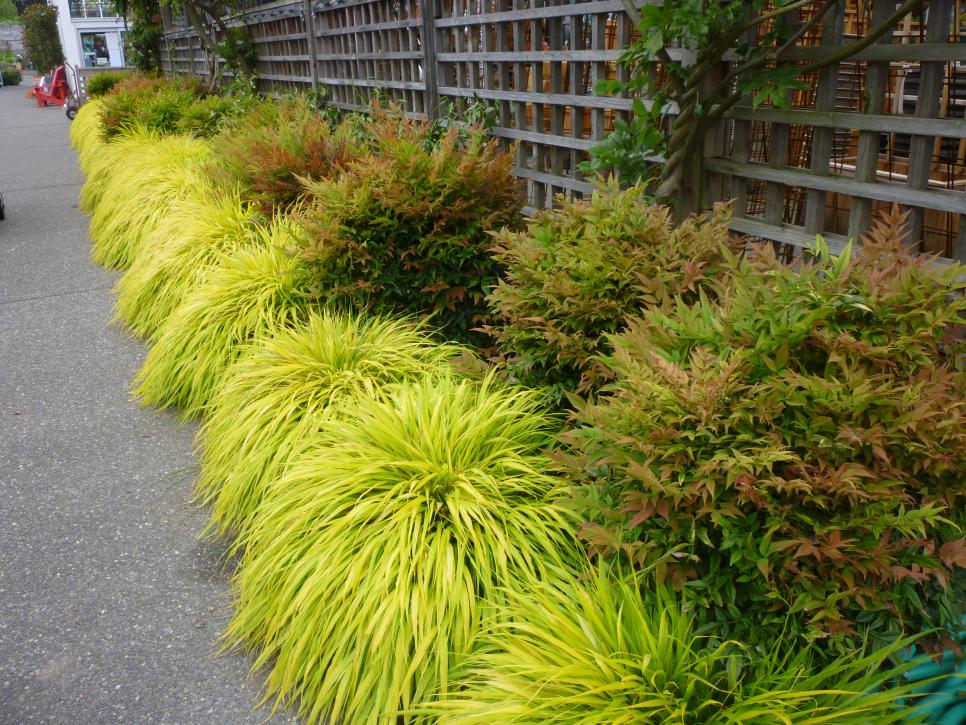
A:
[797,448]
[404,230]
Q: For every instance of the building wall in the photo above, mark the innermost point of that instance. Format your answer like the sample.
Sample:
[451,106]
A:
[11,38]
[104,39]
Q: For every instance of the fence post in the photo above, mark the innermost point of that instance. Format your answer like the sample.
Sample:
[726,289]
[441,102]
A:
[427,13]
[308,19]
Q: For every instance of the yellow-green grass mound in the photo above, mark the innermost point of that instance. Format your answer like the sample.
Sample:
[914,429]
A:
[282,389]
[149,175]
[247,292]
[100,166]
[608,648]
[368,565]
[85,134]
[183,246]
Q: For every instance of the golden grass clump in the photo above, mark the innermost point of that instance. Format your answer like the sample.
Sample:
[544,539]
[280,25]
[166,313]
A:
[85,134]
[146,176]
[372,561]
[606,650]
[247,292]
[183,247]
[282,389]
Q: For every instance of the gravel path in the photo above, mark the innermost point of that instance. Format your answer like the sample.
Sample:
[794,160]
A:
[110,605]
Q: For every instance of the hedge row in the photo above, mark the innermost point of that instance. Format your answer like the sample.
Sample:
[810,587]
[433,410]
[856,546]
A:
[382,355]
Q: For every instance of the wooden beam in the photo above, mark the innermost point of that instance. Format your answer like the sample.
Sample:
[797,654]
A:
[878,123]
[894,53]
[941,199]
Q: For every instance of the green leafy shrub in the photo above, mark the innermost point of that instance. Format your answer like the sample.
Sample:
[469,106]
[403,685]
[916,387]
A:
[405,230]
[284,387]
[8,14]
[101,84]
[609,651]
[11,76]
[41,39]
[196,229]
[164,106]
[270,151]
[800,448]
[145,177]
[577,273]
[368,568]
[246,292]
[204,117]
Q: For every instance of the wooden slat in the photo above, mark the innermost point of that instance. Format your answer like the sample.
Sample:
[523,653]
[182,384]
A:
[531,56]
[941,199]
[899,53]
[927,106]
[534,13]
[623,104]
[879,123]
[867,155]
[822,137]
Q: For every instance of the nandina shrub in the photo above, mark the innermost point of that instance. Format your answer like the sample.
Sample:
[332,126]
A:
[577,273]
[404,230]
[103,83]
[271,150]
[794,455]
[151,102]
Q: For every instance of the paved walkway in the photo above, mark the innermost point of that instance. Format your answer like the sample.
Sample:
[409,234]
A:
[110,606]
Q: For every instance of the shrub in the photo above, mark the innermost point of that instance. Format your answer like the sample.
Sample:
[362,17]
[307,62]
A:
[101,84]
[147,177]
[185,244]
[277,145]
[577,273]
[800,447]
[11,76]
[41,39]
[246,292]
[284,387]
[161,105]
[204,117]
[607,651]
[405,231]
[367,567]
[8,14]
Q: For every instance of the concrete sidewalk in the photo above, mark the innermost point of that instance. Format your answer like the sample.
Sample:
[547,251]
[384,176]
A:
[110,606]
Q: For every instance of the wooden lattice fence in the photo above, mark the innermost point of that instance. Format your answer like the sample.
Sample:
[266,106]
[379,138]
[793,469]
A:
[886,126]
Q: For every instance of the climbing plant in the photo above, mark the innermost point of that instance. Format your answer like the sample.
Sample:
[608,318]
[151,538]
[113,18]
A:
[221,41]
[144,33]
[731,49]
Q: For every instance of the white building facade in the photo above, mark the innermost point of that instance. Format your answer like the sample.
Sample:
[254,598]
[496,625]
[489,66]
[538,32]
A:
[91,33]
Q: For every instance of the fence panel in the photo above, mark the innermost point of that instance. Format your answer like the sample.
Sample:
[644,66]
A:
[887,125]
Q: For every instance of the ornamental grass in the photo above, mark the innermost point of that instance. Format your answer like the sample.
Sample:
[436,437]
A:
[367,567]
[147,176]
[606,650]
[184,247]
[85,134]
[247,292]
[283,388]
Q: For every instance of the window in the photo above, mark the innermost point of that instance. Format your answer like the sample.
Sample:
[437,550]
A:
[94,49]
